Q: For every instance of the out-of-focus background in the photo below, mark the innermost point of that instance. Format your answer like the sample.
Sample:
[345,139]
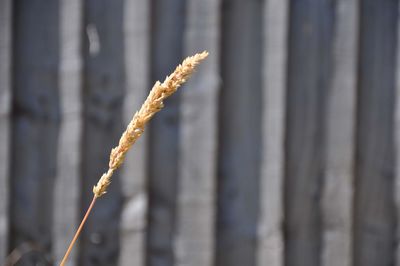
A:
[281,150]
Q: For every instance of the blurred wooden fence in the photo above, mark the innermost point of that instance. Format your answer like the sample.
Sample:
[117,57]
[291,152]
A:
[282,149]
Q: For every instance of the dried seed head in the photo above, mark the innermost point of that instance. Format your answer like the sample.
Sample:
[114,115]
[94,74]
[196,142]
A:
[151,106]
[101,188]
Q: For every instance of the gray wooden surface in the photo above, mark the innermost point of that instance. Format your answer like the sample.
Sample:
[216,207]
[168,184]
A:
[194,243]
[5,105]
[397,146]
[239,133]
[66,203]
[309,52]
[281,150]
[270,250]
[35,127]
[374,214]
[337,190]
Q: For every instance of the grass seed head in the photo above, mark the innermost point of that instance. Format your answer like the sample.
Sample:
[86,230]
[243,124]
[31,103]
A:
[153,104]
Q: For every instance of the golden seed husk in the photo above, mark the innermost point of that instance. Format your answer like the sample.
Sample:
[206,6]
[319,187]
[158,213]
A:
[150,107]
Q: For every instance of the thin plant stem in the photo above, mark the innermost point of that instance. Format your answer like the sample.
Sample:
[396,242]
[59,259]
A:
[64,260]
[153,104]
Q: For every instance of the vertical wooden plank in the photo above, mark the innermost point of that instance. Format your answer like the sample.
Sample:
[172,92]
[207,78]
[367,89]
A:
[5,98]
[310,38]
[66,205]
[133,220]
[103,94]
[337,195]
[168,18]
[240,133]
[36,116]
[374,213]
[194,244]
[270,246]
[397,146]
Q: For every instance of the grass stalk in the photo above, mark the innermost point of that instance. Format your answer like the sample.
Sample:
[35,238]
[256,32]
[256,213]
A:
[78,231]
[153,104]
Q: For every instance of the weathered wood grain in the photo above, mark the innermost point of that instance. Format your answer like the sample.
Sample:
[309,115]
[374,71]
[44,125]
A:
[240,133]
[271,246]
[194,244]
[168,20]
[103,95]
[134,172]
[337,191]
[374,213]
[35,126]
[309,67]
[67,184]
[294,162]
[397,147]
[5,104]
